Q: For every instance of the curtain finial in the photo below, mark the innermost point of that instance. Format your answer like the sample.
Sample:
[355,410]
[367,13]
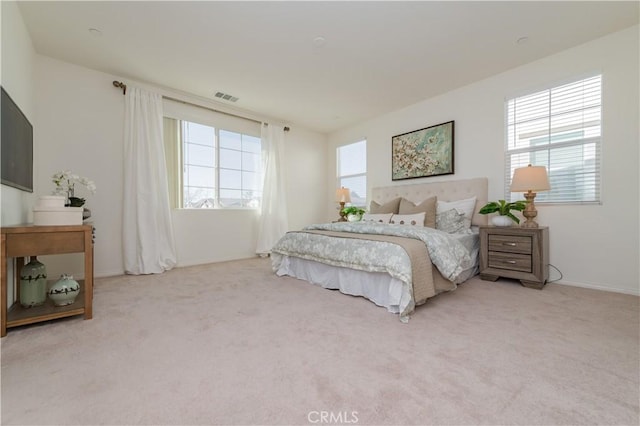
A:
[120,85]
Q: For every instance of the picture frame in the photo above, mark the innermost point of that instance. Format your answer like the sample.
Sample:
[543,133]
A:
[423,153]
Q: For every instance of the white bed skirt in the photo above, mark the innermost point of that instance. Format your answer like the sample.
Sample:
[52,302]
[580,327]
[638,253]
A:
[379,287]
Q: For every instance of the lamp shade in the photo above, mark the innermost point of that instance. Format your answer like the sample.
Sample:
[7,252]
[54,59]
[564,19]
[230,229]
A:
[530,178]
[343,195]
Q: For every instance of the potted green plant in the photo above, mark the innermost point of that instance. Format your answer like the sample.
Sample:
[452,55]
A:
[353,213]
[503,209]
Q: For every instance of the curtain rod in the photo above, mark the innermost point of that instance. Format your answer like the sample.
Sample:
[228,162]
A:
[123,86]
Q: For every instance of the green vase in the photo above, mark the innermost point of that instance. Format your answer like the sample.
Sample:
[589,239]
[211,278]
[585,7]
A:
[64,291]
[33,283]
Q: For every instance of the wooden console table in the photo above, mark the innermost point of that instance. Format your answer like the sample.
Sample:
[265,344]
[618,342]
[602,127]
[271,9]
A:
[23,241]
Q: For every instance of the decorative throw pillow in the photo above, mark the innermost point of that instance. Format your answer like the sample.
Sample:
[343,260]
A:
[379,217]
[388,207]
[452,222]
[416,219]
[466,206]
[427,206]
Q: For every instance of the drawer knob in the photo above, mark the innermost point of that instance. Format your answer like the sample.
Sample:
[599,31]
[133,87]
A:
[513,262]
[509,244]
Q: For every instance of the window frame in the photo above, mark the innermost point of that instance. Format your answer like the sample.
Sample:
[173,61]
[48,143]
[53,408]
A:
[549,147]
[217,168]
[339,177]
[182,166]
[242,170]
[175,111]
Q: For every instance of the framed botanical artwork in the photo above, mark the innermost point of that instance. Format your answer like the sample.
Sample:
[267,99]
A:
[423,153]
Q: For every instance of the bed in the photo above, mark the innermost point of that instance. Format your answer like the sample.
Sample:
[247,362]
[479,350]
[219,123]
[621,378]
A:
[397,265]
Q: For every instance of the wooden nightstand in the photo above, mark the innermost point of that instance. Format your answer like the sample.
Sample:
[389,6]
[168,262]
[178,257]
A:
[513,252]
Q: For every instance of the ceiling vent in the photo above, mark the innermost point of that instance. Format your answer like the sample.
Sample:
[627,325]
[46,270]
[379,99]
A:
[226,97]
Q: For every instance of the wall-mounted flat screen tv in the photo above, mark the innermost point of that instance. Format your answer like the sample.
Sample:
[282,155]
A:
[17,146]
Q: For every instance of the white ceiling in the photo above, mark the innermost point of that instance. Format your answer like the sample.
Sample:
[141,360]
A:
[377,56]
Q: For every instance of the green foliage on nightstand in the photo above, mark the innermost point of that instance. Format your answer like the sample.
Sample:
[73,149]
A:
[353,210]
[504,209]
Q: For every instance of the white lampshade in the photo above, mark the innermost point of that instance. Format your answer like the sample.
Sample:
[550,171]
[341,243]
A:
[530,178]
[343,195]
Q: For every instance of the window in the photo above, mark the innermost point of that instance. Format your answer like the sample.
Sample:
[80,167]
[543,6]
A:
[199,167]
[352,171]
[220,168]
[559,128]
[240,170]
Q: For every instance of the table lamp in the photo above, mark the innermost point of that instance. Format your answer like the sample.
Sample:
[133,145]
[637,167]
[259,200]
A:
[343,196]
[528,180]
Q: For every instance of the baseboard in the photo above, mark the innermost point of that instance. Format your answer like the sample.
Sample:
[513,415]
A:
[107,274]
[599,287]
[206,261]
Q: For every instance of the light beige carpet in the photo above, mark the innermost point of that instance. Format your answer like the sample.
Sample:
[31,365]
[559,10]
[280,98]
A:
[231,343]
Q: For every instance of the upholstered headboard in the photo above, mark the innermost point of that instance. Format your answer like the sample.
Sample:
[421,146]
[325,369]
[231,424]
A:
[450,190]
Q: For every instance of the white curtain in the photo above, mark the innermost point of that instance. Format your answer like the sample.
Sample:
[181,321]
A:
[273,216]
[148,241]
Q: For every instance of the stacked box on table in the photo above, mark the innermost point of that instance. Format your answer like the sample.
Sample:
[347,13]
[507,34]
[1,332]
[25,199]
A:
[50,210]
[57,216]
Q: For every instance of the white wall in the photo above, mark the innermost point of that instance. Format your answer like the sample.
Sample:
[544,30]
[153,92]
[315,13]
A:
[16,76]
[205,236]
[306,153]
[18,57]
[593,245]
[80,127]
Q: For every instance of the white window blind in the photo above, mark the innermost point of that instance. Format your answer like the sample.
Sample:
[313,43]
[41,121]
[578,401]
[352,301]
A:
[559,128]
[352,171]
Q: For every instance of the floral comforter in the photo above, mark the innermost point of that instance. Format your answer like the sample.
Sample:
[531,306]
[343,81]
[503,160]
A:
[447,253]
[452,254]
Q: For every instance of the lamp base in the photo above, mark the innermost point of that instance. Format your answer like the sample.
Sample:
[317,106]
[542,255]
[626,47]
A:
[343,217]
[530,211]
[529,224]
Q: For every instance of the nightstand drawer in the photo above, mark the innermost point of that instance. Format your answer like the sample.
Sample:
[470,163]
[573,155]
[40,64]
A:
[510,261]
[510,243]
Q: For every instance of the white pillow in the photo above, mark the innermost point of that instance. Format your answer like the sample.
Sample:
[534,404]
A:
[466,206]
[377,217]
[416,219]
